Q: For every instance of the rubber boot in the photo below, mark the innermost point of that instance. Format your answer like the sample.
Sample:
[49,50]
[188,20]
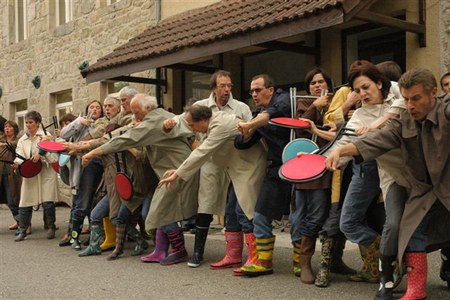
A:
[306,253]
[416,263]
[323,275]
[370,256]
[76,230]
[252,254]
[50,218]
[296,258]
[120,240]
[94,242]
[387,265]
[24,223]
[337,251]
[233,252]
[263,264]
[161,248]
[179,253]
[141,244]
[67,238]
[110,235]
[201,234]
[445,266]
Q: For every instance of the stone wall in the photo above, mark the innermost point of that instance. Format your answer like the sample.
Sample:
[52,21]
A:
[55,52]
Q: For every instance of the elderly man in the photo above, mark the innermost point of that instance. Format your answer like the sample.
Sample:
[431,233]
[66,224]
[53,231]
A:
[422,134]
[214,184]
[245,168]
[275,193]
[164,153]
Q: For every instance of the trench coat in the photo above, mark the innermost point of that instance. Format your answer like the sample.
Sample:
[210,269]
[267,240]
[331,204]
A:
[426,156]
[214,180]
[14,179]
[169,204]
[246,168]
[134,171]
[44,186]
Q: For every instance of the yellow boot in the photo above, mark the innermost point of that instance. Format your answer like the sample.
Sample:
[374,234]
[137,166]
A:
[110,235]
[263,265]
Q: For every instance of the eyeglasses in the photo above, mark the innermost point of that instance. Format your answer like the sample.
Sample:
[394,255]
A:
[223,85]
[257,90]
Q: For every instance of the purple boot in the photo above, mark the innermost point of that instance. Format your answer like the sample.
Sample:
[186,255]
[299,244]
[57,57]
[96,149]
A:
[161,247]
[179,253]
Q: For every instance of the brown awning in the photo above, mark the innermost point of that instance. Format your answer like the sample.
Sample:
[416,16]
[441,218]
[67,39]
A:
[218,28]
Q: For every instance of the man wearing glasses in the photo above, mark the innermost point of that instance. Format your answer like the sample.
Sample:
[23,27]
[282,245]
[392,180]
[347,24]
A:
[214,183]
[275,193]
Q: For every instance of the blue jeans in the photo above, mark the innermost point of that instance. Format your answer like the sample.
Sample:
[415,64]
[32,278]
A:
[89,180]
[123,217]
[295,218]
[314,205]
[145,207]
[170,228]
[235,218]
[419,239]
[363,189]
[262,226]
[100,211]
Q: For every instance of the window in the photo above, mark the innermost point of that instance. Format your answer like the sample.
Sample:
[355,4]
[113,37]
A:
[18,111]
[112,1]
[64,11]
[63,103]
[20,20]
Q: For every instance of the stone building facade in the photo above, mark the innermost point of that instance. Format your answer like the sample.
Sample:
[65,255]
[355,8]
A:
[53,49]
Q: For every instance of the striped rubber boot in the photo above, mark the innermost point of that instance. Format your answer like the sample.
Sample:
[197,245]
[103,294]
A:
[263,264]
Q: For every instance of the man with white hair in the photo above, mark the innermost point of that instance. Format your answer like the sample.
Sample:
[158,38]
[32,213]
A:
[169,205]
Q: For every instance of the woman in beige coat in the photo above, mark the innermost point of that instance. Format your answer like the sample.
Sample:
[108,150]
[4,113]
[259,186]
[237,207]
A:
[42,188]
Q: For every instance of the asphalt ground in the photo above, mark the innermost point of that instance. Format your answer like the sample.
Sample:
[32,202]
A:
[38,268]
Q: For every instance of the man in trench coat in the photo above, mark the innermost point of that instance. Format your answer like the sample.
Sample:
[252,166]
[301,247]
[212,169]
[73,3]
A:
[423,135]
[163,152]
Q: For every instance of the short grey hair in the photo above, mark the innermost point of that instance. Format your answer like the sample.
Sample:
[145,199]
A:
[113,98]
[128,92]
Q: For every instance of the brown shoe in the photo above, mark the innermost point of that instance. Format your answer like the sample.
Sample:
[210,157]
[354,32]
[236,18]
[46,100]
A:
[13,226]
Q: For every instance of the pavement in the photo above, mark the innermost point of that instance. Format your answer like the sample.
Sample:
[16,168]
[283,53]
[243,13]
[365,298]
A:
[38,269]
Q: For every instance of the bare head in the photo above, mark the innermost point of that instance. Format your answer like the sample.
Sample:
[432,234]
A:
[126,94]
[141,105]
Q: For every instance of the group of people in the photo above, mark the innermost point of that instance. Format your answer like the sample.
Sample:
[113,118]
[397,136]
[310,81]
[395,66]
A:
[386,188]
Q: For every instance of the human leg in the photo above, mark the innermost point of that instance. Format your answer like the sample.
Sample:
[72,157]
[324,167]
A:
[394,202]
[24,222]
[265,242]
[50,218]
[201,233]
[176,239]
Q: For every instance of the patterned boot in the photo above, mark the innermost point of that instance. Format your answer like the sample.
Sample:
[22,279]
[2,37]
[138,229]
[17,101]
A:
[161,248]
[370,256]
[297,246]
[445,266]
[76,231]
[387,265]
[252,254]
[323,276]
[263,264]
[120,240]
[94,242]
[179,253]
[416,263]
[233,252]
[141,244]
